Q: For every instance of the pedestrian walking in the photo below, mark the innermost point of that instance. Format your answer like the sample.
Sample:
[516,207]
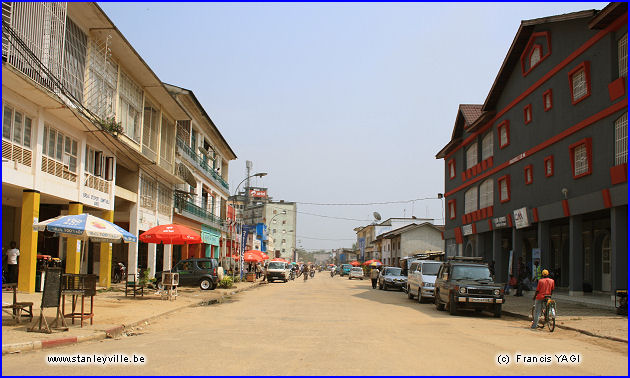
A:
[374,276]
[545,288]
[12,263]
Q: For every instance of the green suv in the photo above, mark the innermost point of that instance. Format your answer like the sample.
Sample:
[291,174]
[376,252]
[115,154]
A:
[466,283]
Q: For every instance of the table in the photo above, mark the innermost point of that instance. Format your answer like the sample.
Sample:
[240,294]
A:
[78,285]
[16,307]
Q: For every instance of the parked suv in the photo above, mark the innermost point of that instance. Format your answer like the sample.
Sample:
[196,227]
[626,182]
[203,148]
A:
[466,282]
[278,270]
[392,277]
[204,272]
[421,279]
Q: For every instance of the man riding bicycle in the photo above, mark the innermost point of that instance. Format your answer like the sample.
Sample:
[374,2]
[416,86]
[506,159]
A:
[544,289]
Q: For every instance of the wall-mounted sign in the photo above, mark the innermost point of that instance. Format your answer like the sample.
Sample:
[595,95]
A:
[520,218]
[467,229]
[258,192]
[500,222]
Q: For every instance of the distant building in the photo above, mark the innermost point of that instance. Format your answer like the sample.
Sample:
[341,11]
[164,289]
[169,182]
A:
[411,239]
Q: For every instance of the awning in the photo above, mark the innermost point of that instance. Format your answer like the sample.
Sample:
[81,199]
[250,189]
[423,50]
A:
[210,235]
[184,173]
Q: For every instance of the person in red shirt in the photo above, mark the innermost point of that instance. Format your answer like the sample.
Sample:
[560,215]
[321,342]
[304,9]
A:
[545,287]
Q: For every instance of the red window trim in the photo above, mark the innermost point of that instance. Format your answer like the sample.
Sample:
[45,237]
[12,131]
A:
[589,157]
[549,159]
[505,124]
[452,174]
[587,75]
[452,215]
[529,169]
[525,110]
[505,178]
[546,93]
[529,48]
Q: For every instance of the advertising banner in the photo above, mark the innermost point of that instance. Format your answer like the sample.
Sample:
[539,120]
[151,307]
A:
[535,257]
[520,218]
[362,248]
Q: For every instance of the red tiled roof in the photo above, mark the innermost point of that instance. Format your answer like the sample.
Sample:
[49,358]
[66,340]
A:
[470,112]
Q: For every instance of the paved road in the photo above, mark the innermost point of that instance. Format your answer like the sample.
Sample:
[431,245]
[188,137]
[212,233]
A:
[332,326]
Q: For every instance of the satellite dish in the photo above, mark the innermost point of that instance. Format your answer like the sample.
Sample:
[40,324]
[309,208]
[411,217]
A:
[377,216]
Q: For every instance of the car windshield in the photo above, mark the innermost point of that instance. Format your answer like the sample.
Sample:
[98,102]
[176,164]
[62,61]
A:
[357,270]
[393,272]
[471,272]
[276,265]
[430,269]
[344,266]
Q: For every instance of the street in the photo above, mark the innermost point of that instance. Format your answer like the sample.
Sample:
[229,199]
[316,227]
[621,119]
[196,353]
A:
[332,326]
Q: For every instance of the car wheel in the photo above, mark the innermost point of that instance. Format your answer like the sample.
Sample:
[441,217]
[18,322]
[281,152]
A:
[438,305]
[497,311]
[409,293]
[380,286]
[452,305]
[205,284]
[420,298]
[159,285]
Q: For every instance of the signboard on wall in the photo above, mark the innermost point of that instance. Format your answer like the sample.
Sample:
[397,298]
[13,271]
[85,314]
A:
[467,229]
[520,218]
[362,248]
[500,222]
[258,192]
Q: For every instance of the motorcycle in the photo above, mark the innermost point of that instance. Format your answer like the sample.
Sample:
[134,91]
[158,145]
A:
[291,275]
[119,272]
[312,273]
[332,273]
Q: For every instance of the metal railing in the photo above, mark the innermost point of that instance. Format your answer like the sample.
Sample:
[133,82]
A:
[198,159]
[183,205]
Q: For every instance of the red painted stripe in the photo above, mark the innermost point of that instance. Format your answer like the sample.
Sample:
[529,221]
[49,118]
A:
[571,130]
[474,228]
[535,212]
[490,224]
[587,45]
[509,219]
[607,200]
[565,208]
[58,342]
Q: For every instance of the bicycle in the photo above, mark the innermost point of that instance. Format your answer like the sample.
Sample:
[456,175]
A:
[547,315]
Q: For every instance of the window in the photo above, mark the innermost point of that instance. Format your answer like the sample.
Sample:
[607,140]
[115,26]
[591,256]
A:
[100,95]
[535,56]
[504,133]
[621,139]
[487,146]
[549,166]
[547,100]
[471,155]
[61,148]
[93,161]
[165,198]
[622,55]
[150,129]
[129,107]
[284,231]
[451,209]
[529,175]
[527,114]
[167,136]
[16,127]
[470,198]
[581,158]
[580,83]
[486,194]
[451,168]
[284,222]
[504,188]
[148,192]
[74,60]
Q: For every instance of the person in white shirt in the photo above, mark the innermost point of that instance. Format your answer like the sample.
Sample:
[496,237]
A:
[12,263]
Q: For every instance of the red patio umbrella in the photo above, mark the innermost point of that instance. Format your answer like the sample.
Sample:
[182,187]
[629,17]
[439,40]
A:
[372,261]
[170,234]
[279,259]
[262,254]
[252,257]
[355,263]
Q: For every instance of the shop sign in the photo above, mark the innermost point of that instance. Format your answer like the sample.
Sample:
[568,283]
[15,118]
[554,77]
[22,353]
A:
[258,193]
[94,198]
[467,229]
[520,218]
[500,222]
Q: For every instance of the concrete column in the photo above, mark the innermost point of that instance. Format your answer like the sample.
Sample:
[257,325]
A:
[479,246]
[105,264]
[27,261]
[517,248]
[73,245]
[619,248]
[576,256]
[544,243]
[167,261]
[499,257]
[132,254]
[151,259]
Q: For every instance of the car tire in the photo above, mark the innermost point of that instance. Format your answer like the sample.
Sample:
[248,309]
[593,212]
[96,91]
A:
[452,305]
[438,305]
[380,286]
[420,297]
[206,284]
[497,311]
[409,293]
[361,278]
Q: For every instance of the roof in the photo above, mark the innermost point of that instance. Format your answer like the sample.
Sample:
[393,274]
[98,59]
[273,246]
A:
[604,17]
[409,227]
[467,114]
[470,112]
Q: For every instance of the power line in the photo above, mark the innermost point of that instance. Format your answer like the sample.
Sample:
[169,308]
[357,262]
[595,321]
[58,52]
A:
[367,203]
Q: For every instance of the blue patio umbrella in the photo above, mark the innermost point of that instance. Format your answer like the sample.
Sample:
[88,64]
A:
[86,226]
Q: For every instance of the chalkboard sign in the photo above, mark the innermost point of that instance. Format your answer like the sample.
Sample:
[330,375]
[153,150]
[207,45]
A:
[52,288]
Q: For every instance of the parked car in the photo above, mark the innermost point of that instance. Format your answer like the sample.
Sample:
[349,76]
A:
[392,277]
[421,279]
[204,272]
[345,269]
[467,283]
[278,270]
[355,272]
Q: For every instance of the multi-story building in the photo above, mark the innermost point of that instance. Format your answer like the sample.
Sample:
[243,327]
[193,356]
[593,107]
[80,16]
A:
[410,240]
[373,248]
[280,217]
[87,127]
[540,168]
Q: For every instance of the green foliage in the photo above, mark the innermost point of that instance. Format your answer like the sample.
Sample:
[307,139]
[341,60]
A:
[226,282]
[110,124]
[144,277]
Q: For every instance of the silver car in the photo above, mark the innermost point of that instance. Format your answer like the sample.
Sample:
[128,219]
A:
[392,277]
[355,272]
[421,280]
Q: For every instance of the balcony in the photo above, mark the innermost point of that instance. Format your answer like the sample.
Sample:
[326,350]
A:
[188,209]
[187,152]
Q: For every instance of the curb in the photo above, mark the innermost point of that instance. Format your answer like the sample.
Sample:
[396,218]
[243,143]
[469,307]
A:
[526,317]
[108,333]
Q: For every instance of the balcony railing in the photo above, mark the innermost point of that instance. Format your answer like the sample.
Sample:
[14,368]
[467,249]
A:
[199,161]
[186,207]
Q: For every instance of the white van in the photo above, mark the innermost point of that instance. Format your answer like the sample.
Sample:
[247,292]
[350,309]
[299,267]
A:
[421,279]
[278,270]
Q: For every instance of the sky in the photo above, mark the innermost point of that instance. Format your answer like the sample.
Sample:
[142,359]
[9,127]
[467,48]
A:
[340,103]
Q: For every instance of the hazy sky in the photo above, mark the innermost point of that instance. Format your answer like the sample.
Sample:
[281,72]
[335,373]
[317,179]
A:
[339,103]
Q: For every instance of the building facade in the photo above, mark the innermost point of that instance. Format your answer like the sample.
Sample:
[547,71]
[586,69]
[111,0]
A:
[540,169]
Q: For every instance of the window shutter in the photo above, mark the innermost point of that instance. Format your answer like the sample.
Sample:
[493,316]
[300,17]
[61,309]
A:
[98,163]
[109,168]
